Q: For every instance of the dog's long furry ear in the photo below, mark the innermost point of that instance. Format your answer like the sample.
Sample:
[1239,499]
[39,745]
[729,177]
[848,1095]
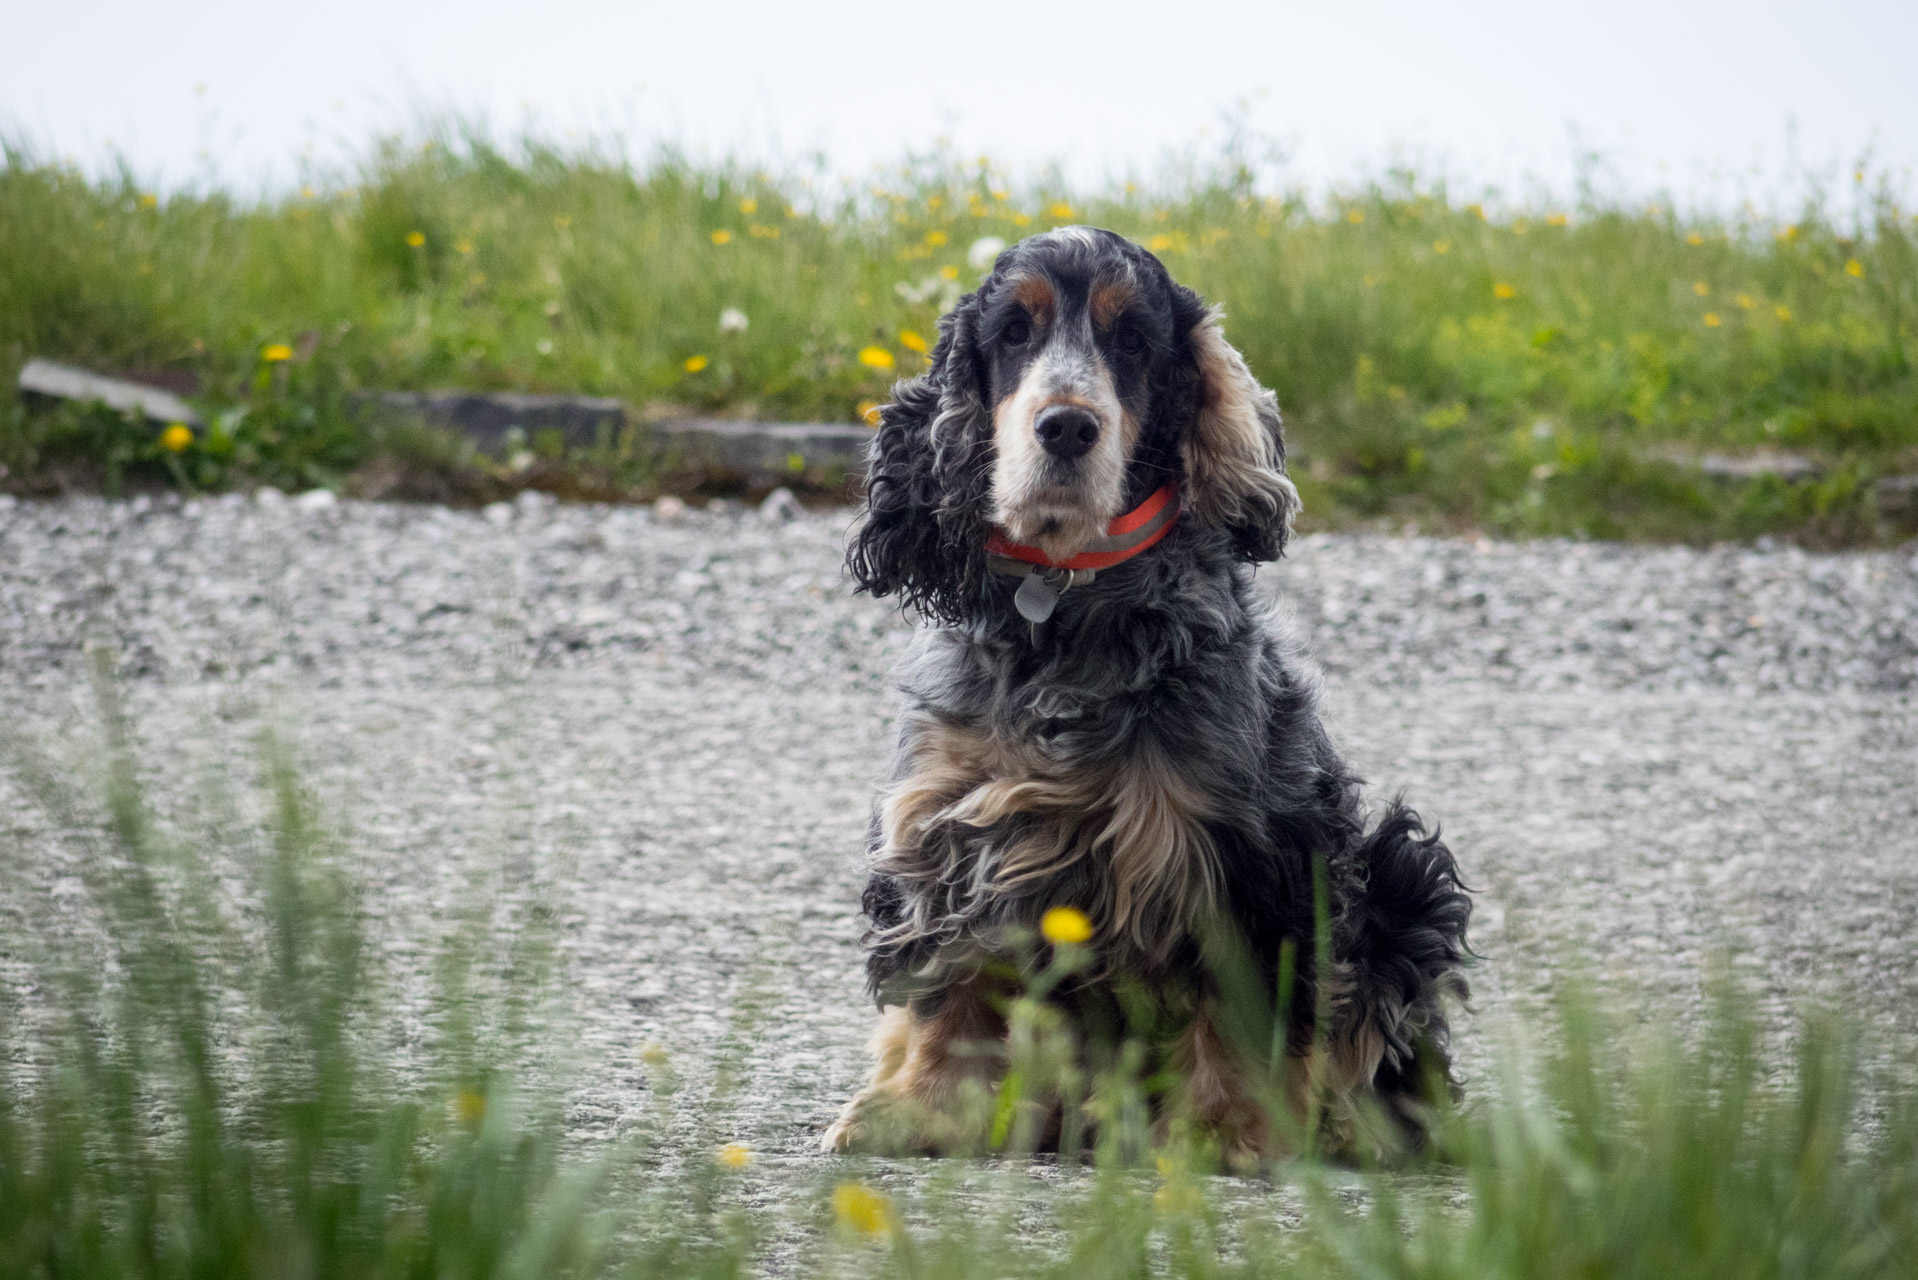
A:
[1234,447]
[928,476]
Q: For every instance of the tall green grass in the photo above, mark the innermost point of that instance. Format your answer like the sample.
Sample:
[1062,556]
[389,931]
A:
[1529,371]
[208,1074]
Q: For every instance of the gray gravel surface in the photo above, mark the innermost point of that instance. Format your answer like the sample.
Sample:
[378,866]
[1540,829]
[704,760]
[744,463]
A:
[1646,757]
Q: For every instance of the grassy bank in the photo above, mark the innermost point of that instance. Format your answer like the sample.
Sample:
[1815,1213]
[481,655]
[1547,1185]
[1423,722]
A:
[215,1068]
[1534,372]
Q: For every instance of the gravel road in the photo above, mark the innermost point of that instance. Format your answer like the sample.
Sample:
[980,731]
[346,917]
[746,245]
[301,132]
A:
[1646,757]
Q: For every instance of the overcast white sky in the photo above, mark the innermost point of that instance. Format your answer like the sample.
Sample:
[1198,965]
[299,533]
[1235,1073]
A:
[1712,99]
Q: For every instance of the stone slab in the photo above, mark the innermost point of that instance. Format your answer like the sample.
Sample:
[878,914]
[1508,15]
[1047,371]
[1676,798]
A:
[758,453]
[485,417]
[54,381]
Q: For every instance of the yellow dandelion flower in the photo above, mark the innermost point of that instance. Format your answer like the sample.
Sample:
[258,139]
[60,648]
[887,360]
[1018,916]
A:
[148,200]
[1021,219]
[911,341]
[1694,238]
[463,245]
[1853,267]
[1746,301]
[1556,219]
[1700,288]
[1783,312]
[693,364]
[759,231]
[877,357]
[1060,210]
[470,1106]
[749,206]
[1355,217]
[948,273]
[177,438]
[306,193]
[276,352]
[1001,195]
[1441,246]
[1065,926]
[1159,243]
[1504,292]
[1789,234]
[416,238]
[861,1209]
[868,411]
[735,1155]
[1711,320]
[936,238]
[722,236]
[1476,210]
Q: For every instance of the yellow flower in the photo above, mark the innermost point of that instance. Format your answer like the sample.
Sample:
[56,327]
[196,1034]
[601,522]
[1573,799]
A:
[722,236]
[1746,301]
[695,363]
[1711,320]
[1063,926]
[463,245]
[177,438]
[935,238]
[868,411]
[911,341]
[1441,246]
[1694,238]
[1853,267]
[1784,312]
[760,231]
[1504,292]
[1021,219]
[1355,217]
[1159,243]
[1556,219]
[149,200]
[276,352]
[860,1208]
[470,1106]
[1789,234]
[735,1155]
[877,357]
[1370,279]
[1060,210]
[749,206]
[948,273]
[416,238]
[654,1055]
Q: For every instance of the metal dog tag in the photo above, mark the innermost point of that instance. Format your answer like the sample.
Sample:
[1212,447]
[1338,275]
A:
[1036,598]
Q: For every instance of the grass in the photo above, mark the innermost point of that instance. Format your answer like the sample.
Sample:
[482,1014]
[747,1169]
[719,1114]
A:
[210,1072]
[1528,372]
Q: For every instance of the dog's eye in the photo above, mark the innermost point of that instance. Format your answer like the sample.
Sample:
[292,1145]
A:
[1131,341]
[1018,333]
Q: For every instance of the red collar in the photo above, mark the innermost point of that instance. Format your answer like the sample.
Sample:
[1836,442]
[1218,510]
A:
[1124,538]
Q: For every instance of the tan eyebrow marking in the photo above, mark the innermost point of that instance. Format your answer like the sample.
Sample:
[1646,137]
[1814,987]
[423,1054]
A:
[1036,295]
[1110,299]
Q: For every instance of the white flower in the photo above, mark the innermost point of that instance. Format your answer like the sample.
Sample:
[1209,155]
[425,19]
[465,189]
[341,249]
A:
[984,251]
[732,320]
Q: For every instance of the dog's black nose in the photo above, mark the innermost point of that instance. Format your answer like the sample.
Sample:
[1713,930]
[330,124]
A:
[1066,431]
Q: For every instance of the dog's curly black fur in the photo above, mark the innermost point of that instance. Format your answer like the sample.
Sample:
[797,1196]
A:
[1164,690]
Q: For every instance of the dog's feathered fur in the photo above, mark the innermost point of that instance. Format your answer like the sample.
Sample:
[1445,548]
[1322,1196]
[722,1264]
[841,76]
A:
[1155,760]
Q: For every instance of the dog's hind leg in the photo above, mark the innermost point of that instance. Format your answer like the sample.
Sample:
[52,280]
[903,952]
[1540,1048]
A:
[935,1063]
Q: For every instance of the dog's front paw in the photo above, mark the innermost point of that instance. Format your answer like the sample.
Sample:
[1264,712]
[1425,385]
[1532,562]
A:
[844,1135]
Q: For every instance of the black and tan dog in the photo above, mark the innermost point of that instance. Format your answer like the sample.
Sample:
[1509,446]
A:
[1103,715]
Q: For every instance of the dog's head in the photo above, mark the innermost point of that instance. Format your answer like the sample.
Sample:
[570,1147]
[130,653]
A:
[1074,382]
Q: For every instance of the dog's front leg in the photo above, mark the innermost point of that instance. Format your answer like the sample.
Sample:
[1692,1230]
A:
[936,1063]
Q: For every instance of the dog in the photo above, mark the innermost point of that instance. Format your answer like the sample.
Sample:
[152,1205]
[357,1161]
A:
[1100,713]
